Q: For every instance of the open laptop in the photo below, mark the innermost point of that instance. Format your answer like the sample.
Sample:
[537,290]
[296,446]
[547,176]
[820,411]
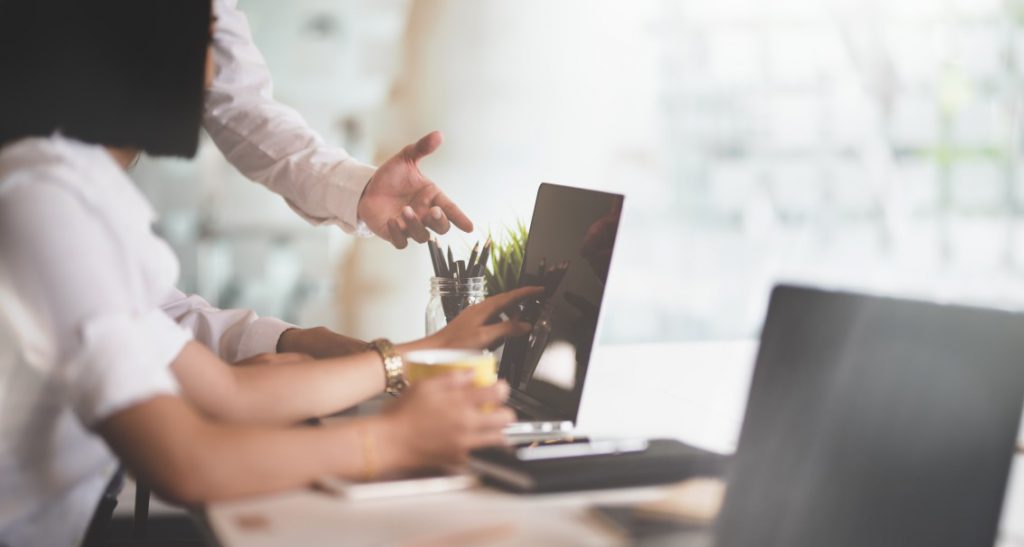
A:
[874,421]
[569,251]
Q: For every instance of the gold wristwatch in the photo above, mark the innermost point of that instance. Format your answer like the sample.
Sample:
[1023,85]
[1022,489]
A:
[393,372]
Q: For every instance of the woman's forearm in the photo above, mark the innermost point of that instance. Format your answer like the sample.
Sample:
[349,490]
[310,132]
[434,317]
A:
[191,460]
[294,392]
[301,390]
[278,394]
[275,394]
[319,343]
[234,457]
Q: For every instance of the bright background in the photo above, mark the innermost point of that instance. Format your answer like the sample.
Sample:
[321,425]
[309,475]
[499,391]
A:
[869,144]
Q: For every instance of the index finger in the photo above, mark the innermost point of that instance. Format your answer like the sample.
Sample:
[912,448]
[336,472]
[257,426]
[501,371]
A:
[452,211]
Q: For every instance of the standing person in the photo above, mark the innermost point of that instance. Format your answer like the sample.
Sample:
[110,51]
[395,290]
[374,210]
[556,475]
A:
[271,144]
[93,370]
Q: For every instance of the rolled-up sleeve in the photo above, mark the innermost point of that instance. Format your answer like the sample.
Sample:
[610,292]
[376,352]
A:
[121,361]
[107,346]
[271,143]
[233,334]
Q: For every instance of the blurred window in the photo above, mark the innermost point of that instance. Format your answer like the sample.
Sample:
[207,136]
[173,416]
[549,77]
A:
[860,144]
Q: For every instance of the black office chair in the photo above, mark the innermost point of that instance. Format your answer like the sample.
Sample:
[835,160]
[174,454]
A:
[140,526]
[140,531]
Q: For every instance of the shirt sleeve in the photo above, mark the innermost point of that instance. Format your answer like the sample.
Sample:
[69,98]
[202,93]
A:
[271,143]
[105,349]
[232,334]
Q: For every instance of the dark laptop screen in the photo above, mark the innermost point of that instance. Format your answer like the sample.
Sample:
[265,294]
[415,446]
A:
[569,250]
[874,421]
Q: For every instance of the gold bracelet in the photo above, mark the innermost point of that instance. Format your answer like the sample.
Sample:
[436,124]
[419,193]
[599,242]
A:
[369,454]
[393,374]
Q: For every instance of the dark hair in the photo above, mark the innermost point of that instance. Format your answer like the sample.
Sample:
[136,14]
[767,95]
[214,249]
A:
[111,72]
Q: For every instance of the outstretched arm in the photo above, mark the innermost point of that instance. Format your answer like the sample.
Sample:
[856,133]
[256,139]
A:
[288,394]
[238,334]
[272,144]
[191,459]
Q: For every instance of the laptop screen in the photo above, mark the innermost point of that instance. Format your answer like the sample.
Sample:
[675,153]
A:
[875,421]
[569,249]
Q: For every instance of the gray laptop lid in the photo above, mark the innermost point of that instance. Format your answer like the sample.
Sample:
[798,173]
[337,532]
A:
[569,251]
[876,422]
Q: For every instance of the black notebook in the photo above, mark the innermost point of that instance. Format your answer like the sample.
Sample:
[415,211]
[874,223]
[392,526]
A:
[589,464]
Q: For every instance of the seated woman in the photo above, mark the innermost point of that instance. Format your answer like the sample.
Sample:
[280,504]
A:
[93,369]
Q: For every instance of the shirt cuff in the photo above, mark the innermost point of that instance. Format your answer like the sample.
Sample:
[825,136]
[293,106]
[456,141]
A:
[261,336]
[363,230]
[123,360]
[348,181]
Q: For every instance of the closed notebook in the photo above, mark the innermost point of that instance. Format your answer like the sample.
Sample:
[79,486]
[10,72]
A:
[583,465]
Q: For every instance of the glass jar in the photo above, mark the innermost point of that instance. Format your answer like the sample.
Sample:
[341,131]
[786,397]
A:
[448,297]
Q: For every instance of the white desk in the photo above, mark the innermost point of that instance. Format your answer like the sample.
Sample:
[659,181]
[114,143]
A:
[695,392]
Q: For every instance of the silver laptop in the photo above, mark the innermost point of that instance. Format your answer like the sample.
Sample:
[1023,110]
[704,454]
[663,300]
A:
[569,252]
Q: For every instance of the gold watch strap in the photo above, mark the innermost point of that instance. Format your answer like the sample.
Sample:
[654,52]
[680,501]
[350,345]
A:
[393,372]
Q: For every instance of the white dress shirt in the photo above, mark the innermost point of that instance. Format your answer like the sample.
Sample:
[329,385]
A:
[269,142]
[89,322]
[89,316]
[232,334]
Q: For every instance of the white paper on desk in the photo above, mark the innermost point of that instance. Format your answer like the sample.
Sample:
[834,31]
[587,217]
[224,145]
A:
[439,481]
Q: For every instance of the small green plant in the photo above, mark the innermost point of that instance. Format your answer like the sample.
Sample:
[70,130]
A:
[507,250]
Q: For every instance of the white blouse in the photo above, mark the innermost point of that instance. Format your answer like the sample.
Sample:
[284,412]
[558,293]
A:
[89,317]
[89,324]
